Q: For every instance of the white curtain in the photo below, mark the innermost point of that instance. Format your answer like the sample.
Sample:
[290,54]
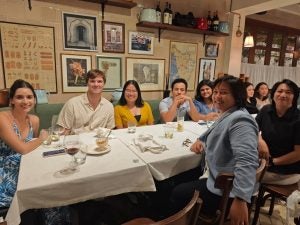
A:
[270,74]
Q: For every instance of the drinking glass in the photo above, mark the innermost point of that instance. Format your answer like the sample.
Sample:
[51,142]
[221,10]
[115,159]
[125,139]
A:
[72,146]
[131,127]
[57,132]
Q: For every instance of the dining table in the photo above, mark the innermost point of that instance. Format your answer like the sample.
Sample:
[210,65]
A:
[124,168]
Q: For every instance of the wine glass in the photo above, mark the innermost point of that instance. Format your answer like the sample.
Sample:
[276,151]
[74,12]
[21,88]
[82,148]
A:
[72,146]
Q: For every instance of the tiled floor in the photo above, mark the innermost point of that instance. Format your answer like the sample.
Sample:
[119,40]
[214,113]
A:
[278,217]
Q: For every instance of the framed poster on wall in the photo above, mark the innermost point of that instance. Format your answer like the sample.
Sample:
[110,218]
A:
[112,68]
[29,54]
[149,73]
[113,37]
[207,69]
[80,32]
[74,69]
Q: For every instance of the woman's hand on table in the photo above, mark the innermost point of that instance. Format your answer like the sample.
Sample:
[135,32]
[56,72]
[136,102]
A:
[197,147]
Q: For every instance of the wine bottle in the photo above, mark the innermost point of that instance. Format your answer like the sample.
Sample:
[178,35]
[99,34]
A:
[209,21]
[158,13]
[170,14]
[166,14]
[216,21]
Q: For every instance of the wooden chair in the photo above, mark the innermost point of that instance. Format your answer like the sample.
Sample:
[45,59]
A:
[187,216]
[274,191]
[224,181]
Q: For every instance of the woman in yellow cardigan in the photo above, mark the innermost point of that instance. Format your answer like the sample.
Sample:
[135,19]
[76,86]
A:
[131,107]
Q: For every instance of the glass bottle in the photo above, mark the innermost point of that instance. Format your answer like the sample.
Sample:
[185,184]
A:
[158,13]
[209,21]
[170,14]
[166,14]
[216,21]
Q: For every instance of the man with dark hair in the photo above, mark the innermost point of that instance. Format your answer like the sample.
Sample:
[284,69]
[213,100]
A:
[179,104]
[90,110]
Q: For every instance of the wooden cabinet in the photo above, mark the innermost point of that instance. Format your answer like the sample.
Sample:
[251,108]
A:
[274,45]
[161,26]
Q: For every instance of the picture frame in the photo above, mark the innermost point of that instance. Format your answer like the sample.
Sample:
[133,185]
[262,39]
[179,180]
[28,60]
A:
[112,68]
[79,32]
[113,37]
[207,69]
[211,50]
[183,62]
[28,53]
[140,43]
[74,70]
[148,72]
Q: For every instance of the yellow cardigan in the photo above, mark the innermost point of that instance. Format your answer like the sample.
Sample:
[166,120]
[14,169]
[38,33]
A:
[123,115]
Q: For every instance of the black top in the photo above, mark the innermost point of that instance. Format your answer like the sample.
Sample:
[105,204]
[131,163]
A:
[281,135]
[137,117]
[251,106]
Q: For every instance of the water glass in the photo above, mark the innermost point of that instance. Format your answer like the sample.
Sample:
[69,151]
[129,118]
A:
[180,122]
[169,131]
[48,141]
[80,156]
[102,143]
[131,127]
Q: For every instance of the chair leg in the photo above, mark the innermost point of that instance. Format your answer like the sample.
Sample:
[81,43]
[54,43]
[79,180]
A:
[272,205]
[259,202]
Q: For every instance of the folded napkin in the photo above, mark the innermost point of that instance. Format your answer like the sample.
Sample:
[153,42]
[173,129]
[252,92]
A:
[147,143]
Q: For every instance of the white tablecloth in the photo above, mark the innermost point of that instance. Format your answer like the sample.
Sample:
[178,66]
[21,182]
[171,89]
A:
[40,184]
[177,159]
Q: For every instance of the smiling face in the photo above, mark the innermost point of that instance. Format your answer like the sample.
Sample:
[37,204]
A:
[222,97]
[283,97]
[95,85]
[131,94]
[23,100]
[206,92]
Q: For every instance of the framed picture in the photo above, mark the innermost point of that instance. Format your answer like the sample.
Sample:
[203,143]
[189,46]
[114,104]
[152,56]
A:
[149,73]
[113,37]
[207,69]
[112,67]
[211,50]
[28,53]
[183,62]
[140,43]
[74,69]
[80,32]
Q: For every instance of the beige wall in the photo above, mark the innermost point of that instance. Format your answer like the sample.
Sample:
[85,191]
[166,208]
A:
[49,13]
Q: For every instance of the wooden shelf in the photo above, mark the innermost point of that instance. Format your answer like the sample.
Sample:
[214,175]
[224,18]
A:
[161,26]
[118,3]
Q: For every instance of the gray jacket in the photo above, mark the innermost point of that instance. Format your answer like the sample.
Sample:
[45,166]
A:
[231,146]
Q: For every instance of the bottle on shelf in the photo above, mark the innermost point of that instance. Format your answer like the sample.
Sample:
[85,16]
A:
[170,14]
[158,12]
[216,21]
[166,14]
[209,21]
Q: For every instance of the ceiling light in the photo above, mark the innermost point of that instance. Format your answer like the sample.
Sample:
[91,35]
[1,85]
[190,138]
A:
[249,41]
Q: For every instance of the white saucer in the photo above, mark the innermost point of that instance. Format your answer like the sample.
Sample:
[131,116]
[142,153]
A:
[92,150]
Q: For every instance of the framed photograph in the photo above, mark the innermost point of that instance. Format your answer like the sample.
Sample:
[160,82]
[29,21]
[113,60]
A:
[28,53]
[74,69]
[183,62]
[207,69]
[112,67]
[80,32]
[113,37]
[140,43]
[149,73]
[211,50]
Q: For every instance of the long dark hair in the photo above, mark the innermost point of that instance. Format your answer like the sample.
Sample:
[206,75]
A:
[256,91]
[139,101]
[293,86]
[20,84]
[237,89]
[208,83]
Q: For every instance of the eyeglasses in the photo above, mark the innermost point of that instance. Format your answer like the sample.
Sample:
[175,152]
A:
[187,142]
[130,91]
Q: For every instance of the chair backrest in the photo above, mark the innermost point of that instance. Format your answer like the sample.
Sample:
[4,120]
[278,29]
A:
[224,181]
[187,216]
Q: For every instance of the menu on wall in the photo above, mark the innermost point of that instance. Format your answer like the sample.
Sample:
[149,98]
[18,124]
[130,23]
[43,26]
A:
[28,53]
